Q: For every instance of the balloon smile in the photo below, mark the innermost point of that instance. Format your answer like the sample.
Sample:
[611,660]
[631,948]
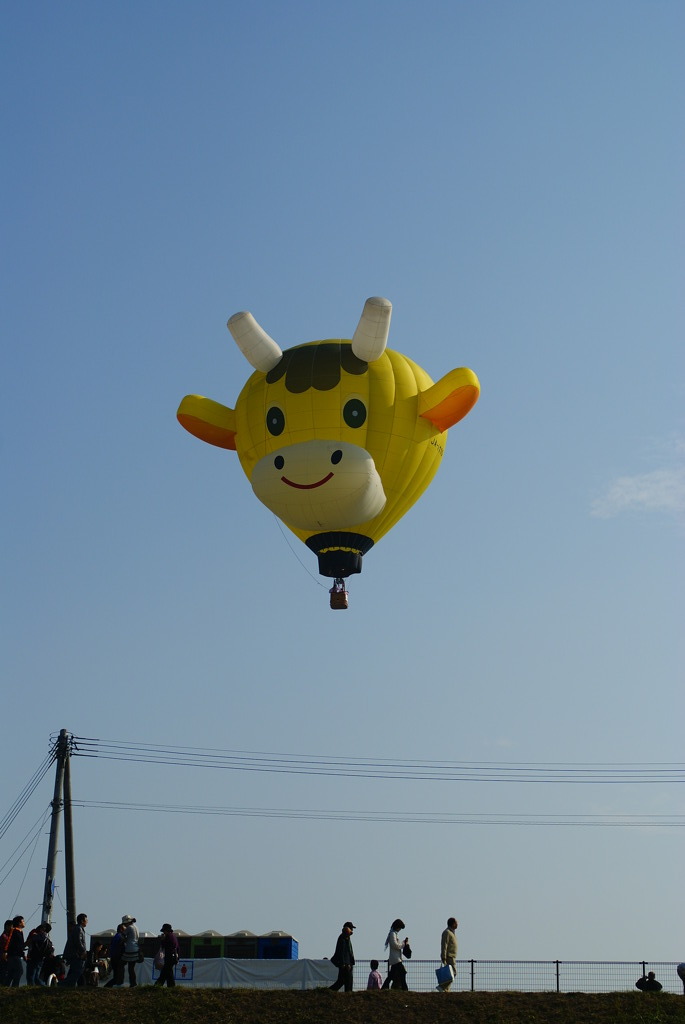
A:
[307,487]
[319,485]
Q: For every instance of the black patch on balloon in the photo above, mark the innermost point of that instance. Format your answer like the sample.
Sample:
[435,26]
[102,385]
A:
[316,366]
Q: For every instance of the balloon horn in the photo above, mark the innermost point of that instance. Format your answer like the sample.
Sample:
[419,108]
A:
[259,349]
[371,336]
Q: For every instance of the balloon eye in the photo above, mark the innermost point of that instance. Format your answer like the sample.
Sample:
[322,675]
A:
[336,457]
[354,412]
[275,421]
[279,462]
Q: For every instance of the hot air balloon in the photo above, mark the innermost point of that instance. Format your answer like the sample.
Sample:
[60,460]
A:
[339,437]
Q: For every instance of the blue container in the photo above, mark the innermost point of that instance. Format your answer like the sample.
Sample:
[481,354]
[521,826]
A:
[277,946]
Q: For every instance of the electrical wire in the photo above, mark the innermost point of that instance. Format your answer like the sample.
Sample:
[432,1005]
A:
[416,817]
[21,848]
[350,767]
[369,768]
[28,863]
[26,793]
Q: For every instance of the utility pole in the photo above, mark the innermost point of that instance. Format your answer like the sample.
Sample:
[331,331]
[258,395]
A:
[61,755]
[69,875]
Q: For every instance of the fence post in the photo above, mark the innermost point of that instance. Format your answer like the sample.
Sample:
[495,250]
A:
[556,963]
[472,962]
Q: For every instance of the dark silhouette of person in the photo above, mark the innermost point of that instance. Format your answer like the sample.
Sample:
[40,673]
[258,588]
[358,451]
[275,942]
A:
[648,983]
[343,959]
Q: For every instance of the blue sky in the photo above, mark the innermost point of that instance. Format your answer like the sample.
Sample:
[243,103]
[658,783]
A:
[510,177]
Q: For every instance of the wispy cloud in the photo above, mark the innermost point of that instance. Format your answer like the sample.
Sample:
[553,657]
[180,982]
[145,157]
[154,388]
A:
[660,490]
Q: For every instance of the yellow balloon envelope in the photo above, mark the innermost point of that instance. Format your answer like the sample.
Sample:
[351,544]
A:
[338,438]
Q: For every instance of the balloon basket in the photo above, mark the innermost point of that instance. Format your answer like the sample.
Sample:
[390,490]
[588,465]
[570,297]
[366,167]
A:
[339,596]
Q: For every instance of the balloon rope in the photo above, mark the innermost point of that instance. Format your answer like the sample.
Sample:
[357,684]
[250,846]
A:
[294,552]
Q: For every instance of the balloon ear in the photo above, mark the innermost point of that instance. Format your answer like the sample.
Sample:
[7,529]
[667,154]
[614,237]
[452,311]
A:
[450,399]
[208,420]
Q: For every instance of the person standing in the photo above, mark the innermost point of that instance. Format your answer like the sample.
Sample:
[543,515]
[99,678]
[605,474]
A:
[171,950]
[5,935]
[15,954]
[38,947]
[131,955]
[448,951]
[397,972]
[75,952]
[375,982]
[343,959]
[116,954]
[680,971]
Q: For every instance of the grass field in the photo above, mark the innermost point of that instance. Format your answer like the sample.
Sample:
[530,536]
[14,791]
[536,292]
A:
[147,1005]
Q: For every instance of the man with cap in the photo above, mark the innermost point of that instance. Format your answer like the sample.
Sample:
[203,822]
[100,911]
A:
[170,948]
[343,959]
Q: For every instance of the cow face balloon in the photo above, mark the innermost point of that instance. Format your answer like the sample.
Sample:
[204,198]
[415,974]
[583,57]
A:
[338,438]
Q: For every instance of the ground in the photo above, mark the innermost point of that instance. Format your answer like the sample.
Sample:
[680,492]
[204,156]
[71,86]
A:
[147,1005]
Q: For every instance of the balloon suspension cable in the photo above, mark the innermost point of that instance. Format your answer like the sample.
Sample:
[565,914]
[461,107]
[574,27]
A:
[339,595]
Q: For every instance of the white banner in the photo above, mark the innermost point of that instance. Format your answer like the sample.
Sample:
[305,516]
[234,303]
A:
[223,973]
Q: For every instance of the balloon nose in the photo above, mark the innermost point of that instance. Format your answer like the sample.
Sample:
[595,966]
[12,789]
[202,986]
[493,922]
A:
[336,456]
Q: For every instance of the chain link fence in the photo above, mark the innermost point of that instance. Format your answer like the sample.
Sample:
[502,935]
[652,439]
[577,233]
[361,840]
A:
[535,975]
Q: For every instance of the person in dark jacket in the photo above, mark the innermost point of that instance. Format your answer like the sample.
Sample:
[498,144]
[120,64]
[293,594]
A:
[96,965]
[648,983]
[15,954]
[5,936]
[170,948]
[75,951]
[116,955]
[38,947]
[680,971]
[343,959]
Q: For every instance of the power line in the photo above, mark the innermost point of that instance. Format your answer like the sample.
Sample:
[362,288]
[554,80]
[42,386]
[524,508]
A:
[417,817]
[26,793]
[408,770]
[28,863]
[21,847]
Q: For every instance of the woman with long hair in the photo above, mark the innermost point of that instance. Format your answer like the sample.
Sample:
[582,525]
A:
[397,972]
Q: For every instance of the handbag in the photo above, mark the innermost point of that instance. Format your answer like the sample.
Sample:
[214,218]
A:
[159,959]
[444,974]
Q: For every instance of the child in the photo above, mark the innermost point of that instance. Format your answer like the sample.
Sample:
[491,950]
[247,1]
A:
[375,981]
